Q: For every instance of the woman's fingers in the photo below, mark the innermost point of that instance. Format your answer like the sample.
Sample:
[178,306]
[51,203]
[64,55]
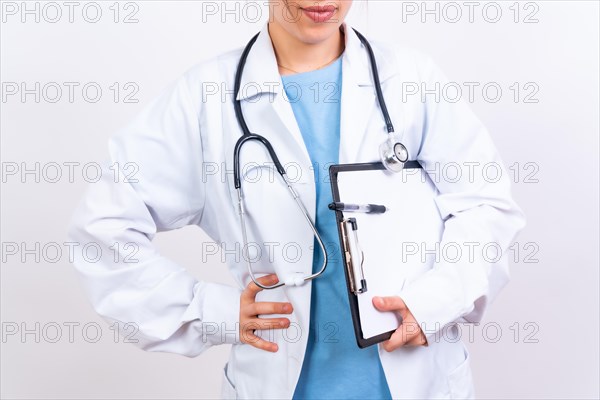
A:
[418,340]
[260,343]
[266,307]
[249,293]
[407,333]
[389,303]
[248,336]
[267,323]
[250,310]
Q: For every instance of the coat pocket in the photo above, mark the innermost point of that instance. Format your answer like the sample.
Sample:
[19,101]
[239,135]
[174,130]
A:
[460,379]
[227,388]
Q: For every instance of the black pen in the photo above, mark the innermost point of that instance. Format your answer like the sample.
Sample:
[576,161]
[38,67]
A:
[365,208]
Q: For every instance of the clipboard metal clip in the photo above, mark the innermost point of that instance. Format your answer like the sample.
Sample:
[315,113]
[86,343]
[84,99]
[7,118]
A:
[353,255]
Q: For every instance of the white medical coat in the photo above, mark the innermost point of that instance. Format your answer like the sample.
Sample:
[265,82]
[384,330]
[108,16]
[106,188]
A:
[182,146]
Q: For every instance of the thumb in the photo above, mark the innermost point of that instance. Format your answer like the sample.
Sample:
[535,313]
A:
[388,303]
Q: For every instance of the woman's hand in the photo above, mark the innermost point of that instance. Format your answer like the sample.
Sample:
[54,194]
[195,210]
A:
[409,333]
[250,310]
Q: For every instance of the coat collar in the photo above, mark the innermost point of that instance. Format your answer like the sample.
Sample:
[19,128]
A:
[261,76]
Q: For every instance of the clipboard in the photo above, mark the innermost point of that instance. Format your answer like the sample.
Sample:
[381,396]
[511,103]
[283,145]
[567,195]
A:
[374,247]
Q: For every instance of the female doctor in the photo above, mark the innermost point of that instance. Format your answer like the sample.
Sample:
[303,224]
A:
[308,88]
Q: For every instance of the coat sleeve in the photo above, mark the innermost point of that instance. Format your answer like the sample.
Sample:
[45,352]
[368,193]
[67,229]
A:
[481,218]
[151,183]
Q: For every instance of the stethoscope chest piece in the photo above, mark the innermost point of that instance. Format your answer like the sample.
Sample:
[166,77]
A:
[393,154]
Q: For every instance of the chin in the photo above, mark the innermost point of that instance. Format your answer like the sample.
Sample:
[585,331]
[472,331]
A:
[315,33]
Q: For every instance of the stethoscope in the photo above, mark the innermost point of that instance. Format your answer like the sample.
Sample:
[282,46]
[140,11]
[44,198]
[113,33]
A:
[393,155]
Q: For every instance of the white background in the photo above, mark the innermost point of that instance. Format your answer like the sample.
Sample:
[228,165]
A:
[554,356]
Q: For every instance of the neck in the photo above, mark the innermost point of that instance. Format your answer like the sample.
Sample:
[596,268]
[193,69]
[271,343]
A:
[301,56]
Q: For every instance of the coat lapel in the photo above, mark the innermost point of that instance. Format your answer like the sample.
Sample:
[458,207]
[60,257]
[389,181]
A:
[261,77]
[358,97]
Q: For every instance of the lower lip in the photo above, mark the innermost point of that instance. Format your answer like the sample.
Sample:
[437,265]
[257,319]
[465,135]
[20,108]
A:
[319,16]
